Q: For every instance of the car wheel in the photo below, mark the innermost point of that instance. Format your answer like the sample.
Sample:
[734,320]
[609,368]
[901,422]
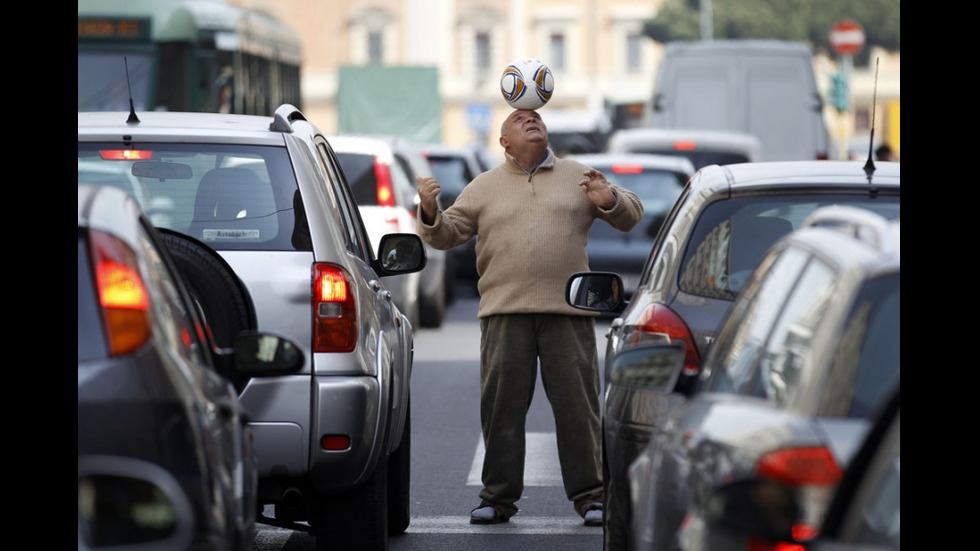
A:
[357,519]
[399,479]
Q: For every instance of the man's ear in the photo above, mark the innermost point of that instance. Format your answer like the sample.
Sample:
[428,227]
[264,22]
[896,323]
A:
[503,142]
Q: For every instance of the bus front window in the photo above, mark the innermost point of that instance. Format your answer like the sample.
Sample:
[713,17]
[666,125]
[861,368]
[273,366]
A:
[102,80]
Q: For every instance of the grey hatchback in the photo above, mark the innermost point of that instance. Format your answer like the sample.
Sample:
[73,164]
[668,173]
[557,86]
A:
[268,194]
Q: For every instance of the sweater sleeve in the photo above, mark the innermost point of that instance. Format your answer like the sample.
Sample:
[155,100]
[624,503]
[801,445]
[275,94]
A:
[626,213]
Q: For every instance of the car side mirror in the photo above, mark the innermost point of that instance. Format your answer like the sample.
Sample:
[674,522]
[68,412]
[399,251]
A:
[595,292]
[401,253]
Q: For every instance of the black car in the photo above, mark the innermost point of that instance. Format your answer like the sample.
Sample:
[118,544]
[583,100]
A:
[165,458]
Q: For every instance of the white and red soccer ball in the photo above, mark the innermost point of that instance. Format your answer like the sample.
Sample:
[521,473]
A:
[527,84]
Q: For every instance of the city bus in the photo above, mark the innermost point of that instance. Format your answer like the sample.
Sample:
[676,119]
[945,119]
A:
[184,55]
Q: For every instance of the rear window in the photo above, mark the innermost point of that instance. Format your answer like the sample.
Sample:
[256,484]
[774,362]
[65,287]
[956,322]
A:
[229,197]
[451,173]
[702,158]
[730,237]
[361,177]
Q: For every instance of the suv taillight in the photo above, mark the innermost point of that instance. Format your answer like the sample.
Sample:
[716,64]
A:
[124,298]
[658,322]
[386,193]
[814,472]
[334,309]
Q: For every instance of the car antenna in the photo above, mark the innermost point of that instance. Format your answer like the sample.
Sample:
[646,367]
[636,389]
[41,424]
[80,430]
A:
[132,109]
[869,166]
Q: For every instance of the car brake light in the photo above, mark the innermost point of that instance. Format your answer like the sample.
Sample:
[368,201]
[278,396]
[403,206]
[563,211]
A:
[386,194]
[813,466]
[685,145]
[658,322]
[627,168]
[334,311]
[815,472]
[122,294]
[126,154]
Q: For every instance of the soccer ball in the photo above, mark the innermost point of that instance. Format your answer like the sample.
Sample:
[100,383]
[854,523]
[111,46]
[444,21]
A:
[527,84]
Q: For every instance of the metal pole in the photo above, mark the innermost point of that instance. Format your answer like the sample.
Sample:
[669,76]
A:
[707,25]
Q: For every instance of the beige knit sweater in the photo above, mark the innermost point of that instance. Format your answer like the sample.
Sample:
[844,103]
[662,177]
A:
[532,232]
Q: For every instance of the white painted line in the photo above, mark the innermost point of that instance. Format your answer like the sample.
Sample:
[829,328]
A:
[516,525]
[541,467]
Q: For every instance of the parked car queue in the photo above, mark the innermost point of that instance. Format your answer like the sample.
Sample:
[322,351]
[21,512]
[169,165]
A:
[656,426]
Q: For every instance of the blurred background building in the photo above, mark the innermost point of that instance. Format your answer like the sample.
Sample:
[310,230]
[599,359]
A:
[604,64]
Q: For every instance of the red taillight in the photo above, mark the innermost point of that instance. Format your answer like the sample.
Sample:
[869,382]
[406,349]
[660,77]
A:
[386,193]
[685,145]
[334,311]
[126,154]
[627,168]
[758,545]
[659,321]
[122,294]
[335,442]
[814,466]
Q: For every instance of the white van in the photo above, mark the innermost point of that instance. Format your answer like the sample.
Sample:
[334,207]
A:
[761,87]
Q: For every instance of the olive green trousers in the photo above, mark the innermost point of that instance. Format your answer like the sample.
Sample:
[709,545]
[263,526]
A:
[512,346]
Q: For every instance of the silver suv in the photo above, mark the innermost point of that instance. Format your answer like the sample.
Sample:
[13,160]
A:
[268,193]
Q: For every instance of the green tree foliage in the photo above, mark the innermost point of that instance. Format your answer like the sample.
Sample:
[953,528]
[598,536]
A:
[802,20]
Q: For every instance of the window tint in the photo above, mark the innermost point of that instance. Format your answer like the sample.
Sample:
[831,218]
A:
[730,236]
[752,321]
[867,361]
[789,349]
[450,172]
[230,197]
[361,176]
[340,195]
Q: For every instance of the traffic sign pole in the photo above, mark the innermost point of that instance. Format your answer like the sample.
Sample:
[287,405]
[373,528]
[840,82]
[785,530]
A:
[847,39]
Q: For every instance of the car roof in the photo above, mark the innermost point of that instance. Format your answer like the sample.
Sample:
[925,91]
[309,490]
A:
[179,126]
[799,173]
[715,139]
[647,160]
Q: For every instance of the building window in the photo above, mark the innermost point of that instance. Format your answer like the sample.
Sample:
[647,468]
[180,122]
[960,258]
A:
[634,43]
[375,47]
[482,45]
[556,49]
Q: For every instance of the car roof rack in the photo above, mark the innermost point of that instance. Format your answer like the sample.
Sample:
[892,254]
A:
[862,224]
[283,117]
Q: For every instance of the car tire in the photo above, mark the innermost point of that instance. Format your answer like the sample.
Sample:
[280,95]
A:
[399,480]
[227,305]
[356,519]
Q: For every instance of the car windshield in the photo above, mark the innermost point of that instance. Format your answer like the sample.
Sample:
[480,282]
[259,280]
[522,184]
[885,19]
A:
[731,236]
[450,172]
[230,197]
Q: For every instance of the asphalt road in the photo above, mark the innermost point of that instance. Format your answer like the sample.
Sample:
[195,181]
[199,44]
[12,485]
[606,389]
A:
[447,457]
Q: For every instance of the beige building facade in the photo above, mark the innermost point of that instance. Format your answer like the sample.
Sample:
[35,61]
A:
[595,48]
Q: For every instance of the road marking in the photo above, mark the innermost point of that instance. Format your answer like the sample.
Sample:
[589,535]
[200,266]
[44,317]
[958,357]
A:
[541,467]
[517,525]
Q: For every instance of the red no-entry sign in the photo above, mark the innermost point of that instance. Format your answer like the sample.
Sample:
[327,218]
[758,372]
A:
[847,37]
